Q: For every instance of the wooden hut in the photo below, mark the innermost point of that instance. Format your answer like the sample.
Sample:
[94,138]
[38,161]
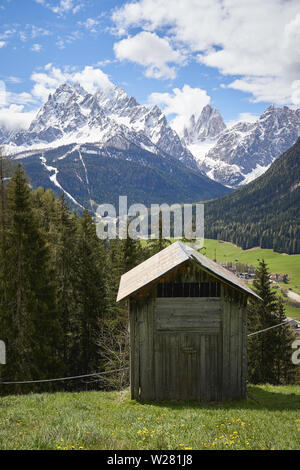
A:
[188,327]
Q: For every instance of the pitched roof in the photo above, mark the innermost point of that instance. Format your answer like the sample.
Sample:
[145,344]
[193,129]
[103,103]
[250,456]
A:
[166,260]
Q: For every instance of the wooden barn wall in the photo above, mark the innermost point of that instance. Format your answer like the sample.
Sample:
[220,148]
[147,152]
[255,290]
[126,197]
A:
[234,327]
[195,359]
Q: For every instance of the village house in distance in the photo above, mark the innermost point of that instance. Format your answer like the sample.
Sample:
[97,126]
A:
[188,327]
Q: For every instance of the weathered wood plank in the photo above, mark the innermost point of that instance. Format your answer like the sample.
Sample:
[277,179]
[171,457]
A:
[136,354]
[226,350]
[244,351]
[132,350]
[193,347]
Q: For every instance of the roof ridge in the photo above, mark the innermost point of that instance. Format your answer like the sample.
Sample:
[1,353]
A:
[168,259]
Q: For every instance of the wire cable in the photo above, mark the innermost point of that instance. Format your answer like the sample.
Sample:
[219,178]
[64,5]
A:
[118,370]
[64,378]
[270,327]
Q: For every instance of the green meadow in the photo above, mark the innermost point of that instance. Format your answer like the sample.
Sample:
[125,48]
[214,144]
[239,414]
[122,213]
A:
[110,420]
[277,262]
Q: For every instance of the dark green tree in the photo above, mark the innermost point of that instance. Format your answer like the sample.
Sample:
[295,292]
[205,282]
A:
[155,245]
[267,351]
[90,293]
[30,319]
[285,370]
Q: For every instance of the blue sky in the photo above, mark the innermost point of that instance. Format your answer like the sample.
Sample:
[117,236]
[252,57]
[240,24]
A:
[180,54]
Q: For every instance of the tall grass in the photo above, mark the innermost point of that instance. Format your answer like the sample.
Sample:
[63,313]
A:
[268,419]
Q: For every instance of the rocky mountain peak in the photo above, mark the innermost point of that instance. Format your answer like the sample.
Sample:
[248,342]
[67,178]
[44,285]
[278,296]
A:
[246,150]
[72,115]
[209,125]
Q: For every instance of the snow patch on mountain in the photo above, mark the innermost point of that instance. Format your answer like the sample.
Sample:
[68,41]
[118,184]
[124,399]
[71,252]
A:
[54,180]
[109,117]
[244,151]
[255,173]
[201,149]
[209,125]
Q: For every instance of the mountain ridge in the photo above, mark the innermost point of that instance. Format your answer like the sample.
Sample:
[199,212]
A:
[71,115]
[209,125]
[246,150]
[264,212]
[90,174]
[111,118]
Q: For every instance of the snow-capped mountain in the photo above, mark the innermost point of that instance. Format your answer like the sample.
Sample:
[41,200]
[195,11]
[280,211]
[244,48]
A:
[208,126]
[95,147]
[73,115]
[92,174]
[4,134]
[245,151]
[110,119]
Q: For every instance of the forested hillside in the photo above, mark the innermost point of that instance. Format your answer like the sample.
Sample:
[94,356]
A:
[58,288]
[263,213]
[90,176]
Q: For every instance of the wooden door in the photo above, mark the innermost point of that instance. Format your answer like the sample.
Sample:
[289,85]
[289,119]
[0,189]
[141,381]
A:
[188,348]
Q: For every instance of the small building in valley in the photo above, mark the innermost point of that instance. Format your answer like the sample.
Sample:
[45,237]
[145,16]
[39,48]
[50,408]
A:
[188,327]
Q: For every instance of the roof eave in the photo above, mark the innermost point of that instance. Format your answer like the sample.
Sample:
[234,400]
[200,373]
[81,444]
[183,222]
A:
[153,281]
[247,291]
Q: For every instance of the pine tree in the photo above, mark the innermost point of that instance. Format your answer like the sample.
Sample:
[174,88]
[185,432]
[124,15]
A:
[285,370]
[113,337]
[31,324]
[62,237]
[132,253]
[267,351]
[90,293]
[155,245]
[116,312]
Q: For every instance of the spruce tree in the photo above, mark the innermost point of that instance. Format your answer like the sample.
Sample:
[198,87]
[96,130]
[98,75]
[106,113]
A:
[132,253]
[285,370]
[155,245]
[269,350]
[64,258]
[90,293]
[31,324]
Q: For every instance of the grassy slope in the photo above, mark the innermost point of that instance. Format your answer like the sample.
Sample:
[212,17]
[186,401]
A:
[277,262]
[268,419]
[292,312]
[267,208]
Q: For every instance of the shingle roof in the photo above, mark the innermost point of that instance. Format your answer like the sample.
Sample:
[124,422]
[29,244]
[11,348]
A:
[168,259]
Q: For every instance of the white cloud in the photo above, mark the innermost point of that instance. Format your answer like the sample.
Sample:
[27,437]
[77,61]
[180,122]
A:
[63,6]
[269,89]
[181,103]
[23,32]
[68,39]
[46,82]
[13,113]
[90,24]
[36,48]
[60,44]
[296,92]
[91,79]
[13,79]
[258,41]
[151,51]
[2,44]
[7,97]
[243,117]
[14,117]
